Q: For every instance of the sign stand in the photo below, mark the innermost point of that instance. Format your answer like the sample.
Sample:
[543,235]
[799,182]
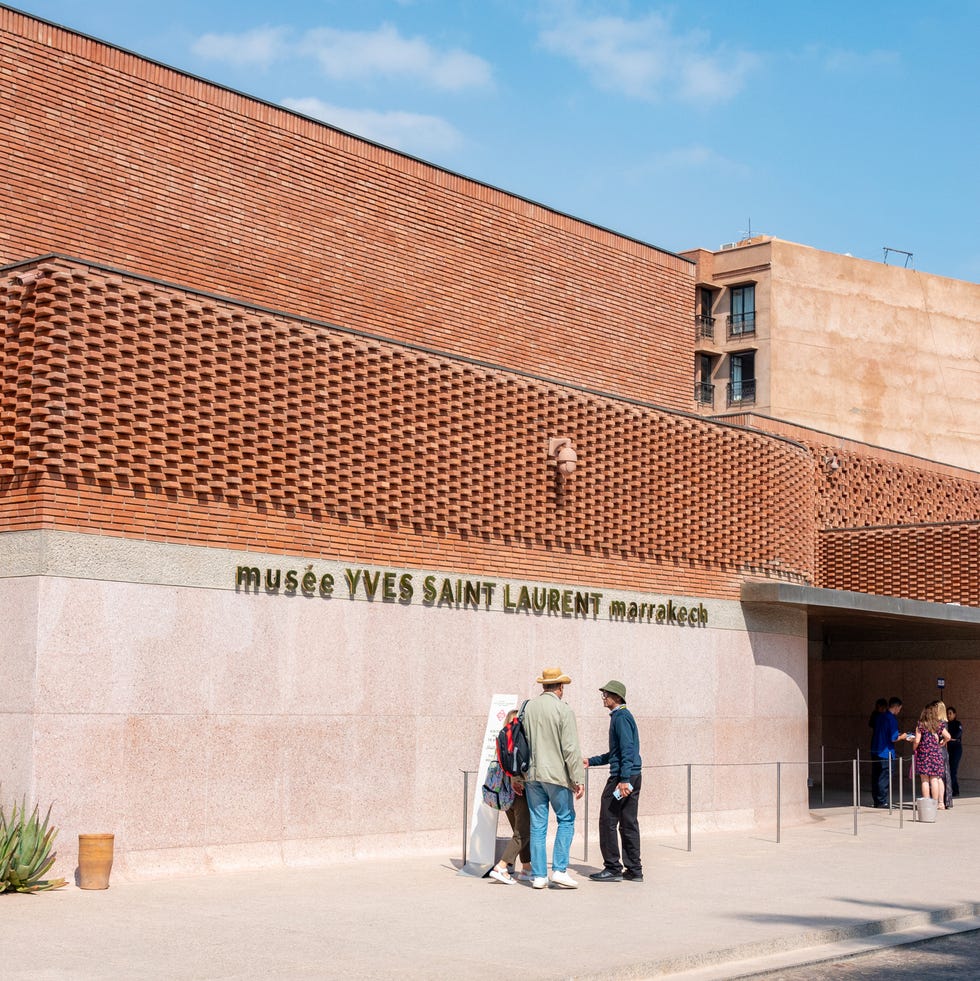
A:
[482,846]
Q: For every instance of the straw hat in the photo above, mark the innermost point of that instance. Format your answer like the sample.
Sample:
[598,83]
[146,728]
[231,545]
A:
[554,676]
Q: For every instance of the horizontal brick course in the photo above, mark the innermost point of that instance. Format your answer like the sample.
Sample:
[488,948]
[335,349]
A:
[933,563]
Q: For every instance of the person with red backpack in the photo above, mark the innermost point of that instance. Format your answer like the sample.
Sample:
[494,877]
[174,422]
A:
[519,818]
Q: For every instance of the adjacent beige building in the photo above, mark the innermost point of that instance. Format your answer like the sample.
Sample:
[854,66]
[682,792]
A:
[865,350]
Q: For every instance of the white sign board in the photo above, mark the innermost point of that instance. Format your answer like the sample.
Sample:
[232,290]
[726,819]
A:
[482,844]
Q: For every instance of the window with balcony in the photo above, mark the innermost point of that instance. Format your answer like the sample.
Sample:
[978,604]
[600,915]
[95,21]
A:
[704,389]
[703,319]
[741,384]
[741,320]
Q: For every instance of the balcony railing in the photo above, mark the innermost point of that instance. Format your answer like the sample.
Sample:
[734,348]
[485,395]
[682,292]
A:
[705,326]
[740,324]
[740,393]
[704,393]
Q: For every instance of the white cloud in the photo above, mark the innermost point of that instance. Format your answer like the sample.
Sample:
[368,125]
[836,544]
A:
[838,60]
[261,46]
[358,55]
[406,131]
[364,54]
[693,157]
[646,59]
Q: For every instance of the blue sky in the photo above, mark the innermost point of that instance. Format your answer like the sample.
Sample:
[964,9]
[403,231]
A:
[846,126]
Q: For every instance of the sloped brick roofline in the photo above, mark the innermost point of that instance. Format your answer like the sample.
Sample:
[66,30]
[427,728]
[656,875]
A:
[231,100]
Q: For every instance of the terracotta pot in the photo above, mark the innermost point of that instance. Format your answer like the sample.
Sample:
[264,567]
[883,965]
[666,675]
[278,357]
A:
[94,861]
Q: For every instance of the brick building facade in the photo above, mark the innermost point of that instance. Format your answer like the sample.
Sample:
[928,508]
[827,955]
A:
[234,338]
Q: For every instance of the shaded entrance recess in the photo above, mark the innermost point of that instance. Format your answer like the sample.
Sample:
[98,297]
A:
[862,647]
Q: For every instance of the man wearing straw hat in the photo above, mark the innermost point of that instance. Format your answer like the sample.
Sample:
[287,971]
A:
[555,778]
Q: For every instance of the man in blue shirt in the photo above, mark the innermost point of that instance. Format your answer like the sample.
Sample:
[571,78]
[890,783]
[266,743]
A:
[621,795]
[883,741]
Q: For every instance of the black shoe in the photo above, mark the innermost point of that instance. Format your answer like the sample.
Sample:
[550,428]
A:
[606,875]
[631,876]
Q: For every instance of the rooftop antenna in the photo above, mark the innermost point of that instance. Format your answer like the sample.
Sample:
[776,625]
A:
[908,255]
[747,234]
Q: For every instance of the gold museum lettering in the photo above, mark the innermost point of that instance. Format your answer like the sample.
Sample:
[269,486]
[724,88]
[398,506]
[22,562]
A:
[404,588]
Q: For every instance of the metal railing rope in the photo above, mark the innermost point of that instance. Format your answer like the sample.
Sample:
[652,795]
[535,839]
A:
[822,763]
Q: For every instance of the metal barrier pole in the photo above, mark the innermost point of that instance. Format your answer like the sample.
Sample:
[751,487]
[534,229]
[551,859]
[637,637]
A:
[690,800]
[855,783]
[779,767]
[466,808]
[915,809]
[901,799]
[890,758]
[586,798]
[823,783]
[857,756]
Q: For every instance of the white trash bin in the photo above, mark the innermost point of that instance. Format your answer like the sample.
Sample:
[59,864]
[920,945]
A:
[926,809]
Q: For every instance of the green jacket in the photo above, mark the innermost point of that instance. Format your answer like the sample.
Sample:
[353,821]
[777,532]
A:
[553,734]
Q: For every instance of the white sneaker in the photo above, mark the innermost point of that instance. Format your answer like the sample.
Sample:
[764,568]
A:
[501,875]
[538,883]
[564,880]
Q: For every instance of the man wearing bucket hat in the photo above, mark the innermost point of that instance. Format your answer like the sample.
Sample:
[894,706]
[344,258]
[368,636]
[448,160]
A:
[621,795]
[555,778]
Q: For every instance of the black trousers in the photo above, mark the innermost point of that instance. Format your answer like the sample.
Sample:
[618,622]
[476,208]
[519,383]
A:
[621,815]
[876,767]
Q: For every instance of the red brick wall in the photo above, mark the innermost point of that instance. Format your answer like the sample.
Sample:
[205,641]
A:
[110,157]
[889,523]
[135,409]
[935,563]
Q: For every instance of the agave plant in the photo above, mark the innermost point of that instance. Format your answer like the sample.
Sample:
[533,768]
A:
[25,851]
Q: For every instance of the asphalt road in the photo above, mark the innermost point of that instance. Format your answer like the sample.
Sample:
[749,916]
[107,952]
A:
[956,956]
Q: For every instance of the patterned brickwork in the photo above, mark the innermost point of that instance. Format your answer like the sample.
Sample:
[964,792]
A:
[889,523]
[136,409]
[108,156]
[871,486]
[935,563]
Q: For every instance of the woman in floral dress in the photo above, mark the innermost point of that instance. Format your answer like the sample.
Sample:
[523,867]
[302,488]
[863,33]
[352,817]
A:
[930,763]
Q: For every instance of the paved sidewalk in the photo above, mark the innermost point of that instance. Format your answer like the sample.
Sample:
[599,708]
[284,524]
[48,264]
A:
[737,904]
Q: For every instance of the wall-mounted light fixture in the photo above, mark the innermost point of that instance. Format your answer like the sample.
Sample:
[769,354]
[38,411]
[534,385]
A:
[561,451]
[831,464]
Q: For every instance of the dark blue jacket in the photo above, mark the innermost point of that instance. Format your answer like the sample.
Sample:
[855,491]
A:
[885,734]
[624,746]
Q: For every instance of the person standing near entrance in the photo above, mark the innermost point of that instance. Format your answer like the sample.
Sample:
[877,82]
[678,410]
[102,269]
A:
[881,706]
[955,748]
[555,778]
[883,748]
[621,795]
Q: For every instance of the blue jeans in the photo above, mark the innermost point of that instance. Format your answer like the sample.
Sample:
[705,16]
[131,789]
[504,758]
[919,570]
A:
[562,800]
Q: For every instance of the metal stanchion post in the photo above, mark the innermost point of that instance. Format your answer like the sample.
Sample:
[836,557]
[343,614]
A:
[466,809]
[855,783]
[586,799]
[857,756]
[822,781]
[890,758]
[915,809]
[901,799]
[779,823]
[690,804]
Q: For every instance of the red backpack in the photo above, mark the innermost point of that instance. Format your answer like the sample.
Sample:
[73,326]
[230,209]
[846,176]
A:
[513,746]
